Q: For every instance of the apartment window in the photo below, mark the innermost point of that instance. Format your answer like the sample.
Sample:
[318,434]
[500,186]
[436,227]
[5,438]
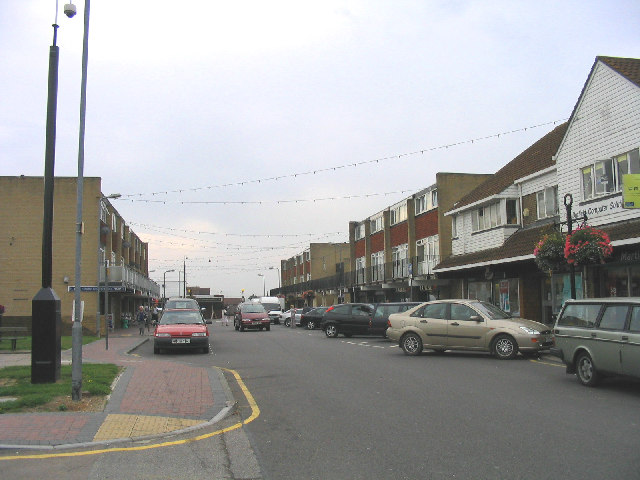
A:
[359,231]
[486,217]
[103,212]
[454,226]
[547,202]
[428,253]
[360,266]
[114,223]
[605,176]
[399,259]
[376,224]
[377,266]
[421,204]
[434,198]
[399,214]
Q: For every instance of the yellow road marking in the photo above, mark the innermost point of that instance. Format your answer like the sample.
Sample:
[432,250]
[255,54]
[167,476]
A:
[547,363]
[255,412]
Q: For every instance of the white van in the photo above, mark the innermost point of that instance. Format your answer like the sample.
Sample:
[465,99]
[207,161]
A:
[596,337]
[273,305]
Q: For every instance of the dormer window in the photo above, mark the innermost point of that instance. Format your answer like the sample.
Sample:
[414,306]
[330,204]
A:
[496,214]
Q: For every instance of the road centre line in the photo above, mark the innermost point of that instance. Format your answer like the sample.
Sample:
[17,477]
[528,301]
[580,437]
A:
[255,412]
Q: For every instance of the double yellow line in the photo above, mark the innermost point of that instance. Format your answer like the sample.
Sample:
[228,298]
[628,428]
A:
[255,412]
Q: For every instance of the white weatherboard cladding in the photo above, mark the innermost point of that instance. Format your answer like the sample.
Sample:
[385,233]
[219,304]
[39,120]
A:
[606,123]
[484,240]
[538,184]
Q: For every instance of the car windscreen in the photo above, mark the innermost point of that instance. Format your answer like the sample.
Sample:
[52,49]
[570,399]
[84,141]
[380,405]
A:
[173,318]
[490,311]
[257,308]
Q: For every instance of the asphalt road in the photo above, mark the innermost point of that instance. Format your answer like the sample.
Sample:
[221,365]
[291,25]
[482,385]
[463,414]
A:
[360,409]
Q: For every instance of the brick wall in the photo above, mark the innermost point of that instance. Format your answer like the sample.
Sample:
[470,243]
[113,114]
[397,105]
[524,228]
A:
[399,234]
[377,242]
[427,224]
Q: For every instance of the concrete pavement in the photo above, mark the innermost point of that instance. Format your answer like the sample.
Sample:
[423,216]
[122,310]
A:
[152,397]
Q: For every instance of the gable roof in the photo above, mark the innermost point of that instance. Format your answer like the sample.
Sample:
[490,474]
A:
[627,67]
[535,158]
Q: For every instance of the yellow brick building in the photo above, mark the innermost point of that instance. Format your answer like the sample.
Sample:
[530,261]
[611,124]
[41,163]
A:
[106,236]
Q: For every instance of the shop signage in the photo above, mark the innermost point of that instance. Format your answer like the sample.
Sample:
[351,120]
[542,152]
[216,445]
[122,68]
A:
[92,288]
[631,190]
[630,257]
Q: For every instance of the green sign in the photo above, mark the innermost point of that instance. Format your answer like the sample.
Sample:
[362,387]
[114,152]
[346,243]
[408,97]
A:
[631,191]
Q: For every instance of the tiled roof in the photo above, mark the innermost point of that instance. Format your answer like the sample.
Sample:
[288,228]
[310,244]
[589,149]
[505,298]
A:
[535,158]
[627,67]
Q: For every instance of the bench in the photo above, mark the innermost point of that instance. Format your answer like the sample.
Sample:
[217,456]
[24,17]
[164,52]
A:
[14,335]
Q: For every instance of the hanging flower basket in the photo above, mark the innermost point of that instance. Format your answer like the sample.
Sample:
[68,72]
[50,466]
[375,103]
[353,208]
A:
[587,245]
[308,294]
[549,251]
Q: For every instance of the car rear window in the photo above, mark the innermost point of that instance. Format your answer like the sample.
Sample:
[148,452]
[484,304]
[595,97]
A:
[579,315]
[174,318]
[180,304]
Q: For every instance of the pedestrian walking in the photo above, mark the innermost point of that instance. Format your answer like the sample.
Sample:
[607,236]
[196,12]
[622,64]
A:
[141,318]
[154,316]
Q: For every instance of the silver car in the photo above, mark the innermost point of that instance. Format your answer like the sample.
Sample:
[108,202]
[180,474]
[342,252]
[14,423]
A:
[467,325]
[599,336]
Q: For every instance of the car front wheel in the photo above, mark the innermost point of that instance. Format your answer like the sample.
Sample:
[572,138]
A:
[331,331]
[412,344]
[311,325]
[505,347]
[586,370]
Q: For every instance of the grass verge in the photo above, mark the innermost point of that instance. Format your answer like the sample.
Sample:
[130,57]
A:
[16,382]
[25,343]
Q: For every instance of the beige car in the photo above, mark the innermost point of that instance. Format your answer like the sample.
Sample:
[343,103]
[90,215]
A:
[597,337]
[467,325]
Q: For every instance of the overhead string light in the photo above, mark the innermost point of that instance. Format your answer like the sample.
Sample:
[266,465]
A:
[318,170]
[161,228]
[261,202]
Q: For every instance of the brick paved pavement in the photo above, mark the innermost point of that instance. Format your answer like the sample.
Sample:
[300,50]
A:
[152,397]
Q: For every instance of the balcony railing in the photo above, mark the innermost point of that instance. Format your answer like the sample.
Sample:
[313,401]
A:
[131,279]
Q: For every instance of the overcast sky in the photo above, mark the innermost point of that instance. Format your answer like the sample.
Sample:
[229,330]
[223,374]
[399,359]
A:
[226,101]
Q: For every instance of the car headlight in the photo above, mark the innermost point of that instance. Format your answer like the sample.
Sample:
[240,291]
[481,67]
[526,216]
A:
[530,331]
[163,334]
[199,334]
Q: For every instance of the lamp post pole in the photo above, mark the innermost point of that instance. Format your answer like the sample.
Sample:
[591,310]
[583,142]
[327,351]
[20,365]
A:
[263,284]
[184,277]
[568,202]
[46,319]
[164,283]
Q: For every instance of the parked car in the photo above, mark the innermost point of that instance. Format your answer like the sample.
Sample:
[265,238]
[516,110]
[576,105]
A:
[297,313]
[251,315]
[378,323]
[181,329]
[312,318]
[598,337]
[467,325]
[347,319]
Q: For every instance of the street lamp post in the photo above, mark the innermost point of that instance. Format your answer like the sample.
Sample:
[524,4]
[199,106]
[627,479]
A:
[264,294]
[164,283]
[278,271]
[46,319]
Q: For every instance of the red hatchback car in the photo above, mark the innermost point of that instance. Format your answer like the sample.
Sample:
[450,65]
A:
[251,315]
[181,329]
